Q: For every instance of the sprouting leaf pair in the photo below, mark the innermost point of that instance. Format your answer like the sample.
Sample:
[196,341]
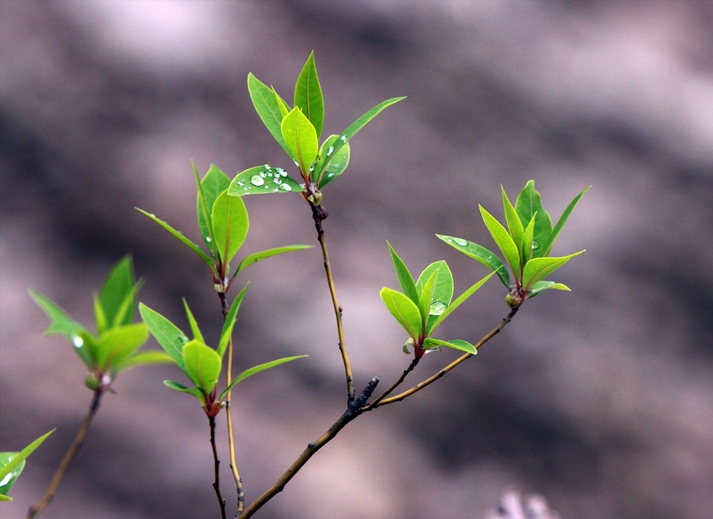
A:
[201,363]
[297,130]
[223,222]
[424,304]
[114,346]
[12,463]
[525,244]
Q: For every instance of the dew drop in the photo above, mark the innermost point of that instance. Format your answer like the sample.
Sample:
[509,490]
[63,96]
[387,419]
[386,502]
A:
[285,187]
[257,180]
[77,341]
[460,241]
[262,174]
[535,245]
[437,308]
[241,183]
[330,151]
[343,138]
[207,239]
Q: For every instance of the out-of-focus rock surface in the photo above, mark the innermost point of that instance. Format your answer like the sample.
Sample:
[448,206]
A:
[600,400]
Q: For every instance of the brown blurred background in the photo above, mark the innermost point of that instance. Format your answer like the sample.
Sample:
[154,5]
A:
[600,399]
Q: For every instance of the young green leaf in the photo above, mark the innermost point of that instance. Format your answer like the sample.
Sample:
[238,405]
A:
[117,344]
[301,139]
[213,184]
[178,235]
[425,297]
[455,304]
[527,247]
[195,391]
[308,94]
[331,164]
[229,322]
[540,286]
[143,358]
[502,239]
[456,344]
[167,334]
[195,330]
[404,310]
[202,365]
[12,463]
[257,369]
[118,294]
[260,180]
[546,245]
[267,106]
[230,225]
[253,258]
[480,254]
[404,276]
[515,225]
[443,288]
[62,324]
[537,268]
[528,204]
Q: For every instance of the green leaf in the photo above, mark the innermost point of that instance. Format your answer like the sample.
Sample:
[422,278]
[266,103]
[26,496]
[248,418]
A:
[12,463]
[230,225]
[195,330]
[267,105]
[195,391]
[456,344]
[301,139]
[526,249]
[528,203]
[260,180]
[537,268]
[308,94]
[546,245]
[229,322]
[442,291]
[61,324]
[404,310]
[404,276]
[281,104]
[178,235]
[253,258]
[257,369]
[540,286]
[503,240]
[455,304]
[331,164]
[480,254]
[144,358]
[213,184]
[167,334]
[202,365]
[118,294]
[516,227]
[116,344]
[425,297]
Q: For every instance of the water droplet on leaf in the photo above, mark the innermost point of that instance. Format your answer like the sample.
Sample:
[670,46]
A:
[285,187]
[437,308]
[77,341]
[460,241]
[257,180]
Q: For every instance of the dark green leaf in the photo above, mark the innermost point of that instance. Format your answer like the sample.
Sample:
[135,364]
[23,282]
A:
[404,310]
[260,180]
[308,94]
[257,369]
[331,164]
[456,344]
[202,365]
[503,240]
[188,243]
[480,254]
[546,245]
[167,334]
[253,258]
[404,276]
[267,106]
[230,225]
[528,203]
[213,184]
[301,139]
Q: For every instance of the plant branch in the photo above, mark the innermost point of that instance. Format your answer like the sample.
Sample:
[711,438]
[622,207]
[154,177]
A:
[448,368]
[319,214]
[396,384]
[35,510]
[231,440]
[216,466]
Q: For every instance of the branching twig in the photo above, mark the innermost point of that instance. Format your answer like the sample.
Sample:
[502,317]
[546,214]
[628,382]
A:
[231,440]
[35,510]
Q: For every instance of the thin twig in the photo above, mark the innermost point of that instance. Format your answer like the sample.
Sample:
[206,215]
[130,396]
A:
[318,214]
[216,467]
[231,440]
[35,510]
[445,370]
[396,384]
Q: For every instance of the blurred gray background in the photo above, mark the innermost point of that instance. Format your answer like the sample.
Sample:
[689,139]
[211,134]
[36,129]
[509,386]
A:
[600,399]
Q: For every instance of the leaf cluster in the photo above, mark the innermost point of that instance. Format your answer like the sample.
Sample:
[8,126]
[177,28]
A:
[12,464]
[298,130]
[526,244]
[114,347]
[224,223]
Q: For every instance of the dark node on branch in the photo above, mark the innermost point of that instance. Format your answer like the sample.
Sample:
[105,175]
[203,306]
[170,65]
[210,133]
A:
[310,445]
[364,396]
